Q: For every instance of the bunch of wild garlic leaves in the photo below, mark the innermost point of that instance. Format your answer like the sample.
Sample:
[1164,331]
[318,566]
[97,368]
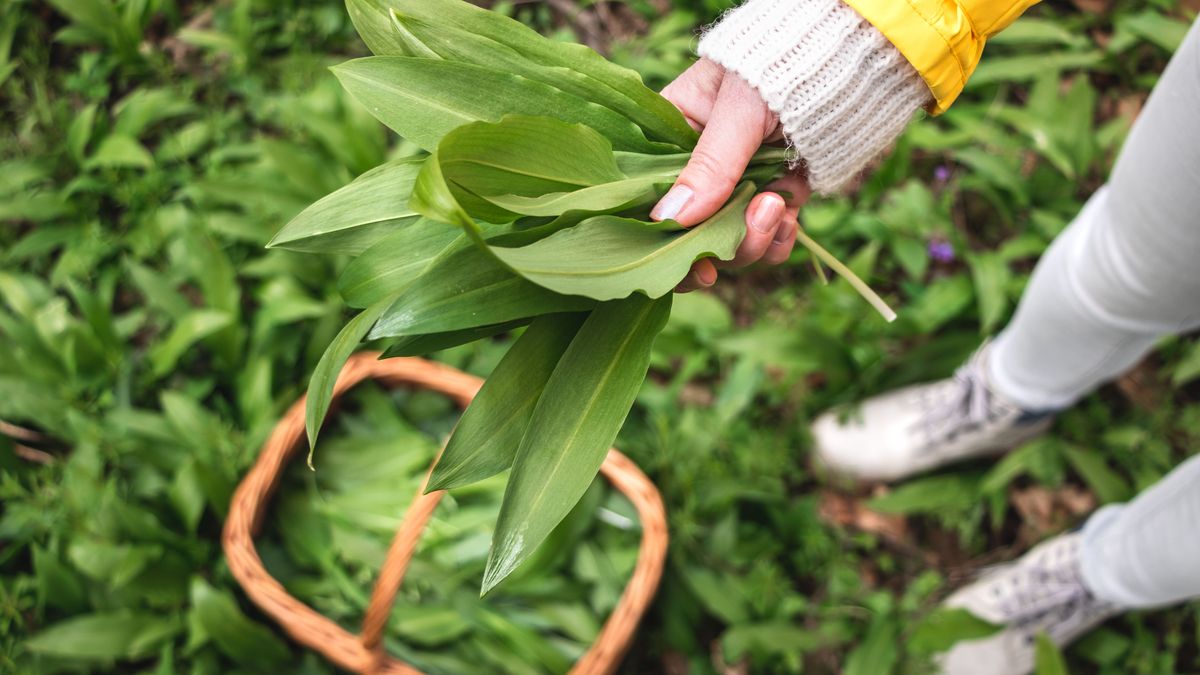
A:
[529,210]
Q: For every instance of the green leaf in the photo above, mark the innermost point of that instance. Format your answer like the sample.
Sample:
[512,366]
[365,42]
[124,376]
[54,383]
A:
[527,155]
[320,386]
[570,66]
[1107,484]
[720,595]
[469,289]
[1154,26]
[1029,66]
[990,274]
[104,636]
[607,257]
[1188,367]
[353,218]
[80,132]
[582,408]
[119,152]
[146,107]
[58,586]
[937,493]
[393,263]
[945,626]
[192,328]
[1048,659]
[878,653]
[422,345]
[109,563]
[1034,31]
[606,197]
[491,428]
[187,494]
[430,626]
[777,637]
[238,637]
[518,157]
[443,40]
[423,100]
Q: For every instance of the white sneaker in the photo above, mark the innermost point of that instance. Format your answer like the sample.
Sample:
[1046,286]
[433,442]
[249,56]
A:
[921,427]
[1040,593]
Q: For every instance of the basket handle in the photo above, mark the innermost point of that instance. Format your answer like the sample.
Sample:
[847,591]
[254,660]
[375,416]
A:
[365,654]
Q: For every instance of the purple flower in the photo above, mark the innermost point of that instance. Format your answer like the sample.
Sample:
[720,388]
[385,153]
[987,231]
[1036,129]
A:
[941,251]
[942,173]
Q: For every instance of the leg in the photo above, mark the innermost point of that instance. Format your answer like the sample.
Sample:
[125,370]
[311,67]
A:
[1144,554]
[1124,273]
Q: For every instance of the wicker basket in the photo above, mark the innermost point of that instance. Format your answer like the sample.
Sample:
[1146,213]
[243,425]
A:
[364,653]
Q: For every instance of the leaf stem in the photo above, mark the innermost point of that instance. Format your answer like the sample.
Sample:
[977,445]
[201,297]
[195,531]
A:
[845,272]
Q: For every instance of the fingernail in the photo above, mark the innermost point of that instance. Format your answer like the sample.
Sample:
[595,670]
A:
[672,203]
[766,214]
[783,233]
[707,275]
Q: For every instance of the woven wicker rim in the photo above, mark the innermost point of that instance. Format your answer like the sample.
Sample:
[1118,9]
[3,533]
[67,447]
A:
[364,653]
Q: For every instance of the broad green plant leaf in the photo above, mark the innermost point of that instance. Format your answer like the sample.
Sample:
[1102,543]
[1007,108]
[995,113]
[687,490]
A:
[519,156]
[320,386]
[619,88]
[424,99]
[878,652]
[1048,658]
[468,289]
[353,218]
[945,626]
[118,151]
[606,197]
[420,345]
[105,637]
[934,494]
[393,263]
[491,428]
[235,634]
[194,327]
[441,40]
[1107,484]
[990,274]
[576,419]
[607,257]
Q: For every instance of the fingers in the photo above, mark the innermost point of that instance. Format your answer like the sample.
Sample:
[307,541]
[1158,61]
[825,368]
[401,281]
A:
[738,122]
[795,186]
[703,275]
[763,216]
[695,91]
[783,242]
[795,191]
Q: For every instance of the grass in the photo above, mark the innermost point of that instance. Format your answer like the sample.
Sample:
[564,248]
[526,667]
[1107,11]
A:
[151,147]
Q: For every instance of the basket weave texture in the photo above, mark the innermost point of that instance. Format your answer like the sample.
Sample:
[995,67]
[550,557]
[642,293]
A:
[364,653]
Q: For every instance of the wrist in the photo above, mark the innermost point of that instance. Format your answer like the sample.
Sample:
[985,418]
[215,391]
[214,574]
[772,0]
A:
[841,90]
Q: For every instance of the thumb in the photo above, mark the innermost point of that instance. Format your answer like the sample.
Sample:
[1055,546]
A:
[736,128]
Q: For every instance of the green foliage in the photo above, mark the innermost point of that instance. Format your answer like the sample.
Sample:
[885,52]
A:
[145,162]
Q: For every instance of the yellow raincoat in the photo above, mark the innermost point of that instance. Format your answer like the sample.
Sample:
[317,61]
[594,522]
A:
[942,39]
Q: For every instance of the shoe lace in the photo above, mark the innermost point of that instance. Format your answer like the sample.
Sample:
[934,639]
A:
[1048,595]
[964,402]
[1045,582]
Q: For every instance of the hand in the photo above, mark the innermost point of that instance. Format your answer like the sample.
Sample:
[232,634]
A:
[733,122]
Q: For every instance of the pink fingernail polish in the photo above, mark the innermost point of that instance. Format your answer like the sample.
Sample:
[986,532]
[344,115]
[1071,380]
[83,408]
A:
[672,203]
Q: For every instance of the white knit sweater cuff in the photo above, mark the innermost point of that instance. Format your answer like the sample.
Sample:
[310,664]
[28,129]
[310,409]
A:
[843,93]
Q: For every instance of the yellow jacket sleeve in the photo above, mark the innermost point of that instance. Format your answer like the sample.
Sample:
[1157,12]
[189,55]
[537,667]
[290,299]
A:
[942,39]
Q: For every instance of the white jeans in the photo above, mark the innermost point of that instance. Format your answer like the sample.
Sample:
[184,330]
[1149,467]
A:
[1125,273]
